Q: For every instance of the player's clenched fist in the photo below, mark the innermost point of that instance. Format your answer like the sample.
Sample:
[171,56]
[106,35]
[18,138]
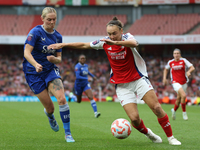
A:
[38,68]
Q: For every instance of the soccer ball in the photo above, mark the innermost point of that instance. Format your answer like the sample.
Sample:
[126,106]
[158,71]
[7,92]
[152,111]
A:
[121,128]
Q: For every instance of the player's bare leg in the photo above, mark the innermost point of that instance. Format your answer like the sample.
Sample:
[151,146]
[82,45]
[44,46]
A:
[151,100]
[137,122]
[183,103]
[57,89]
[48,109]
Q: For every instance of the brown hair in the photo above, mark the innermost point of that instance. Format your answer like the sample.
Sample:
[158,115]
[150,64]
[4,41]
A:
[115,22]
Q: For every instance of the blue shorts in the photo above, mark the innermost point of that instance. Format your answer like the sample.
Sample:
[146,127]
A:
[39,82]
[80,87]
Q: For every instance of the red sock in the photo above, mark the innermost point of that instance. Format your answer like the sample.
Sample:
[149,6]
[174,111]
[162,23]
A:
[183,105]
[141,128]
[176,107]
[165,124]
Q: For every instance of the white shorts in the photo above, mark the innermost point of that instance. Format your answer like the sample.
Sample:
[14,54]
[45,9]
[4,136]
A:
[132,91]
[177,86]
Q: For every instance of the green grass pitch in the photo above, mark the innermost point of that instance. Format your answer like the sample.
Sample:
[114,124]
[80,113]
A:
[24,126]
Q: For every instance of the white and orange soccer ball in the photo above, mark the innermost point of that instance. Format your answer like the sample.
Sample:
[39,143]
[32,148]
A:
[121,128]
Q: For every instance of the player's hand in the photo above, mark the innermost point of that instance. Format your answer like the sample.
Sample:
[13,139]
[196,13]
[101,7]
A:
[90,79]
[94,78]
[55,46]
[108,41]
[188,74]
[38,68]
[51,58]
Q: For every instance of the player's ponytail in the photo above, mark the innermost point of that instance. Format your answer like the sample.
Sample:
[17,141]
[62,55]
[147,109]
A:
[115,22]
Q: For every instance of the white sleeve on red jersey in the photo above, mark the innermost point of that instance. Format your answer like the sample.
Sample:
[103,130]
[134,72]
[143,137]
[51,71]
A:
[97,44]
[187,63]
[167,66]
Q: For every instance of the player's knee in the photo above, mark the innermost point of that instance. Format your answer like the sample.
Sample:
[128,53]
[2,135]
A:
[184,96]
[157,109]
[61,100]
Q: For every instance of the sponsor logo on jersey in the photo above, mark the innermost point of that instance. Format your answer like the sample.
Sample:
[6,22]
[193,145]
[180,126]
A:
[95,42]
[30,37]
[43,39]
[120,55]
[49,51]
[178,67]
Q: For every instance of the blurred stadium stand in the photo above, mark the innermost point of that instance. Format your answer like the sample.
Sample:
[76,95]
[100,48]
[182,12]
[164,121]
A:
[167,24]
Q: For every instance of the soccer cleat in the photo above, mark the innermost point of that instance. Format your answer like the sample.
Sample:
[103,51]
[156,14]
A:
[174,141]
[173,114]
[185,117]
[69,138]
[97,114]
[153,137]
[54,125]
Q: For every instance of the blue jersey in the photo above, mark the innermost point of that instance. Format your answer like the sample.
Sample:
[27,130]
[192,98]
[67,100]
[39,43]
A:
[39,38]
[82,72]
[81,83]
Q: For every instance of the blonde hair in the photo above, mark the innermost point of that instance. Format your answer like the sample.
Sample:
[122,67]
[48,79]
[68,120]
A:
[47,10]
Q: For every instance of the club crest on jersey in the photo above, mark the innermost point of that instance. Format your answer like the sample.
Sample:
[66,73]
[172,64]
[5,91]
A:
[95,42]
[30,37]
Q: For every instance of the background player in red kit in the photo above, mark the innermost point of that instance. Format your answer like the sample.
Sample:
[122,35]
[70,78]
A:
[179,78]
[130,76]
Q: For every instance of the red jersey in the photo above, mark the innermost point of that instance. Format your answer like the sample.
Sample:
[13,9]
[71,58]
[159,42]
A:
[126,63]
[178,70]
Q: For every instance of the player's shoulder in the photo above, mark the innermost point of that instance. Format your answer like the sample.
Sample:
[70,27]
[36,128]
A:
[37,28]
[171,60]
[183,59]
[128,35]
[58,34]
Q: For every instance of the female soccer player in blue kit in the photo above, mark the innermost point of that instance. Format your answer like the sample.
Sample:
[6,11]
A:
[82,83]
[41,73]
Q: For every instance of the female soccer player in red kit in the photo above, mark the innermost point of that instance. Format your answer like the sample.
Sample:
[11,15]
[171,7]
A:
[130,76]
[179,78]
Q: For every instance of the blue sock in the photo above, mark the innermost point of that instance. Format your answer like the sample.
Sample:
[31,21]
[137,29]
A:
[94,105]
[65,117]
[50,116]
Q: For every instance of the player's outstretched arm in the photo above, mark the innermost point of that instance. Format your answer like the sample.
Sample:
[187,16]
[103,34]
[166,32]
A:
[127,43]
[77,45]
